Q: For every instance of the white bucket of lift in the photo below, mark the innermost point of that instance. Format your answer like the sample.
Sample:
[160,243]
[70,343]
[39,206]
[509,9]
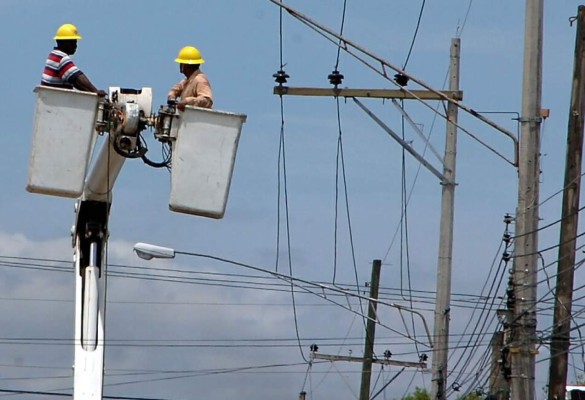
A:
[203,161]
[63,139]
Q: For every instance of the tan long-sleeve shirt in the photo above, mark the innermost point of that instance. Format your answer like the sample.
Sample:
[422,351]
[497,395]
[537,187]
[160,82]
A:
[195,91]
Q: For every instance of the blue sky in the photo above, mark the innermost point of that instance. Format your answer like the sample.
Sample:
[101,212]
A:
[201,327]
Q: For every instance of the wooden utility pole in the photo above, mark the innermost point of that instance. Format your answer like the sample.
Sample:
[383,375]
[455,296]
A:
[443,301]
[523,324]
[368,359]
[370,331]
[560,341]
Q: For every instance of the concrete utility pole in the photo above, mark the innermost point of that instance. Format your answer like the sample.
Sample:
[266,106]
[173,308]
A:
[560,341]
[370,331]
[443,301]
[523,336]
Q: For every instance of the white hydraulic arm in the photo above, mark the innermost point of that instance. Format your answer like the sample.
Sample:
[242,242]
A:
[120,122]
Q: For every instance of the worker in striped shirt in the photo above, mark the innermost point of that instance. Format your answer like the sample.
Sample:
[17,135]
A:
[60,71]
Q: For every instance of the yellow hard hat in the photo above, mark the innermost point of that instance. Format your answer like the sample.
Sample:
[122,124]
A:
[67,32]
[189,55]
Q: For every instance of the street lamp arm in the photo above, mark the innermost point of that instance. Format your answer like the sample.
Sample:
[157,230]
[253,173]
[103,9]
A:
[149,251]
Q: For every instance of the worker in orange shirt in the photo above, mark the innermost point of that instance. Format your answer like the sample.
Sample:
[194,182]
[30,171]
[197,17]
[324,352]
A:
[195,89]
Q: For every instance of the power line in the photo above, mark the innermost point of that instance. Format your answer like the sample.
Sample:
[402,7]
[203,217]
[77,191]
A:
[40,393]
[422,7]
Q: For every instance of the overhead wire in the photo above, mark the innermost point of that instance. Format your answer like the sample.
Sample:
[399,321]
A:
[468,9]
[404,196]
[385,293]
[482,321]
[472,378]
[405,243]
[278,184]
[201,373]
[309,366]
[578,264]
[422,8]
[386,384]
[187,374]
[340,161]
[219,344]
[352,49]
[426,146]
[282,170]
[549,224]
[316,289]
[341,33]
[53,394]
[460,28]
[346,197]
[345,381]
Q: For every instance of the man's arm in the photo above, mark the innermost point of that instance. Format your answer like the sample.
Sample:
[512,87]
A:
[82,82]
[176,90]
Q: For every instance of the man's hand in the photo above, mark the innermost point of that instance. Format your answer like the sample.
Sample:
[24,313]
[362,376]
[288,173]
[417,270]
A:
[181,105]
[101,93]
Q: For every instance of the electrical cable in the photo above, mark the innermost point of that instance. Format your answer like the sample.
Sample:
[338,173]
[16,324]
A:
[336,225]
[422,7]
[417,173]
[41,393]
[386,384]
[340,161]
[282,169]
[405,243]
[499,273]
[143,149]
[278,189]
[459,30]
[340,33]
[385,293]
[382,70]
[203,373]
[552,223]
[307,373]
[344,380]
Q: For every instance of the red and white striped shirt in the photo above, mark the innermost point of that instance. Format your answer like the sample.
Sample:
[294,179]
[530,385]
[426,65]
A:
[60,70]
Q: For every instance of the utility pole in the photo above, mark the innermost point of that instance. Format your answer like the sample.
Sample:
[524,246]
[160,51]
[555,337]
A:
[370,331]
[560,341]
[368,359]
[522,350]
[443,301]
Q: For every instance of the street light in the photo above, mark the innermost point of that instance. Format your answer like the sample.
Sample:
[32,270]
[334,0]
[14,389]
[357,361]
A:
[149,251]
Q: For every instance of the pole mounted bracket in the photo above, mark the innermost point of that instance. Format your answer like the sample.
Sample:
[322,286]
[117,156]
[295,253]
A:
[530,119]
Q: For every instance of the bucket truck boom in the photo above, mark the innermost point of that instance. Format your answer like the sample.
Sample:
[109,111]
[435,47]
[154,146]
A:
[200,143]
